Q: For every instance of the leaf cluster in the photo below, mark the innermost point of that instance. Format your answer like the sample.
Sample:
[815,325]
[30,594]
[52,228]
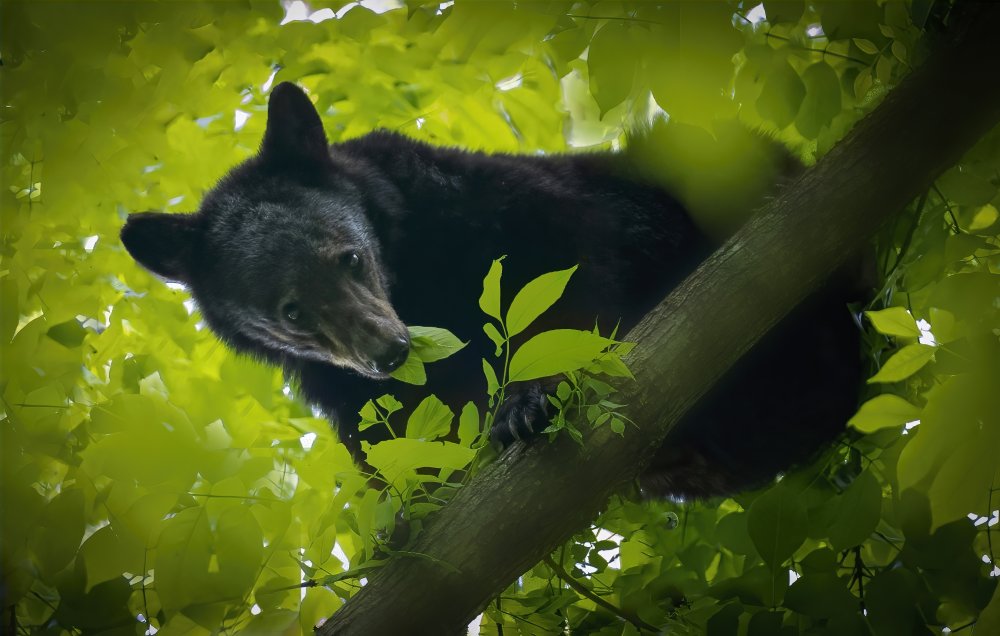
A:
[153,481]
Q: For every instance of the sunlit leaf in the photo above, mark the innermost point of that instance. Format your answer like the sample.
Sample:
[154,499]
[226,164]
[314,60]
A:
[554,352]
[894,321]
[430,344]
[534,298]
[904,363]
[430,420]
[412,371]
[489,300]
[777,525]
[397,459]
[883,411]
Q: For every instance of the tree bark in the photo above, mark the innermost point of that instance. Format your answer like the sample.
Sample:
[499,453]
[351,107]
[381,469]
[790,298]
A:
[536,495]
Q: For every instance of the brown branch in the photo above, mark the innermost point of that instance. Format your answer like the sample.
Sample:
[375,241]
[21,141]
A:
[536,495]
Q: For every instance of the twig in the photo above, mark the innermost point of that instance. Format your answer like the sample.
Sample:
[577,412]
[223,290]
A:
[582,590]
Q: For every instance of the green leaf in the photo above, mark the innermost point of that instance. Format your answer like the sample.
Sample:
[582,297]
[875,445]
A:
[783,11]
[866,46]
[890,598]
[369,416]
[782,95]
[389,403]
[613,366]
[57,539]
[989,618]
[863,83]
[899,51]
[821,596]
[894,321]
[966,188]
[468,424]
[611,64]
[492,385]
[430,344]
[397,459]
[69,334]
[489,301]
[495,336]
[554,352]
[883,411]
[109,552]
[904,363]
[859,510]
[822,100]
[412,372]
[967,472]
[534,298]
[239,549]
[777,525]
[430,420]
[183,554]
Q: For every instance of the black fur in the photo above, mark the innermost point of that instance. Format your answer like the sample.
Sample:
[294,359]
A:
[276,237]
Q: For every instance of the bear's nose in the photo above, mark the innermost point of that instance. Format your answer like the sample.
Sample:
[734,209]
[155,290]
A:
[393,357]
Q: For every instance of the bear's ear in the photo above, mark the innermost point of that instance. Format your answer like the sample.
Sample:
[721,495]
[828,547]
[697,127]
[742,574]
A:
[294,133]
[162,243]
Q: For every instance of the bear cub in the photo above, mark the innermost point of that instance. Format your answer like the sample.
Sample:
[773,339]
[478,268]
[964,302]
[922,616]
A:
[316,257]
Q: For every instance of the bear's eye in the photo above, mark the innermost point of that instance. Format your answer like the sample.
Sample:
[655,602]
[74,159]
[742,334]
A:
[351,261]
[291,312]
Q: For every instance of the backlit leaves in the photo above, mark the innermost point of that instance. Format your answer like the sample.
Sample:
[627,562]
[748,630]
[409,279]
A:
[904,363]
[398,459]
[534,298]
[884,411]
[894,321]
[777,525]
[553,352]
[204,490]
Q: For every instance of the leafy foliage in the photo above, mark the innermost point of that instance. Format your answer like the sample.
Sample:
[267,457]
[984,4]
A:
[153,481]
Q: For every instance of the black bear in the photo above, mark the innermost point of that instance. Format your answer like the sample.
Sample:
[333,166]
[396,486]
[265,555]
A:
[315,257]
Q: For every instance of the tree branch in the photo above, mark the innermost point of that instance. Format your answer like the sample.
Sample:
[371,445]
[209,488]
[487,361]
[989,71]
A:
[536,495]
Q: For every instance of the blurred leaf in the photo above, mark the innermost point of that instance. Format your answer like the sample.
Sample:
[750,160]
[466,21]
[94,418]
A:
[822,99]
[782,95]
[777,525]
[989,619]
[890,601]
[57,538]
[611,63]
[859,511]
[779,11]
[866,45]
[966,188]
[821,595]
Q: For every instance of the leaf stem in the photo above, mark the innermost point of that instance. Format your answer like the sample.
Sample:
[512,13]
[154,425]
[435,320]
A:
[582,590]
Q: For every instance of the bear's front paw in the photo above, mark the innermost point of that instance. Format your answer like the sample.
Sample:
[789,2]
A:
[524,412]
